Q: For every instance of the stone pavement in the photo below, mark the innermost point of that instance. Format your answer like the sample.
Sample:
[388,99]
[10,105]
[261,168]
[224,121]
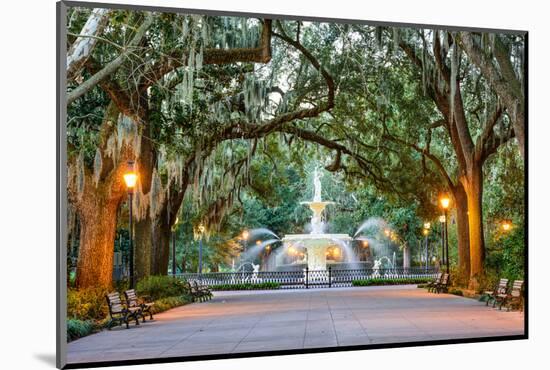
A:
[251,321]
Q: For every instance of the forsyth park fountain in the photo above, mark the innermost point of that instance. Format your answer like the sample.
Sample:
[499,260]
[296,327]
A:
[317,243]
[319,250]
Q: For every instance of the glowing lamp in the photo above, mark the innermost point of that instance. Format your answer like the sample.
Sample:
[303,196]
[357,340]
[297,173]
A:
[130,177]
[442,219]
[427,226]
[245,235]
[201,228]
[506,225]
[445,201]
[365,243]
[258,242]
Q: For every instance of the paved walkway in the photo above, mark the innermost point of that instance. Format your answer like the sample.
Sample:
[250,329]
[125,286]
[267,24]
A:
[276,320]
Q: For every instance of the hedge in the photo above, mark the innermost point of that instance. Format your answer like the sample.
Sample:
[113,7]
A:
[161,286]
[80,328]
[246,286]
[397,281]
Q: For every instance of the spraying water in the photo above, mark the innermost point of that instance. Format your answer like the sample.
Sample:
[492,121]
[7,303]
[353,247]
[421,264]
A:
[253,252]
[370,225]
[254,233]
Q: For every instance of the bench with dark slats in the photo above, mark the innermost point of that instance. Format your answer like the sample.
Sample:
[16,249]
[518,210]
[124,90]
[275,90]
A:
[432,284]
[514,297]
[194,294]
[201,291]
[443,285]
[501,288]
[119,313]
[132,300]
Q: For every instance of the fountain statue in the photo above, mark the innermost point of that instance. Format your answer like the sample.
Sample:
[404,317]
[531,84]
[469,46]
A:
[317,186]
[317,242]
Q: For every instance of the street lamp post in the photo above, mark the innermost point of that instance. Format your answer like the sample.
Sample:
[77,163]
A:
[174,247]
[445,201]
[130,178]
[201,231]
[442,221]
[426,231]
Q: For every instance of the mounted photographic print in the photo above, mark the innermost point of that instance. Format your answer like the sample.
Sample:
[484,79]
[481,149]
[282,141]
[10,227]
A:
[236,185]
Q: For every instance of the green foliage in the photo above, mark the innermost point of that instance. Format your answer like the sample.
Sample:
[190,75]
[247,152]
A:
[383,281]
[456,292]
[506,257]
[157,287]
[86,304]
[79,328]
[247,286]
[164,304]
[513,254]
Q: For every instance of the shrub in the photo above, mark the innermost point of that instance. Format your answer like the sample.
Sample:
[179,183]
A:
[385,281]
[86,304]
[79,328]
[167,303]
[157,287]
[456,292]
[247,286]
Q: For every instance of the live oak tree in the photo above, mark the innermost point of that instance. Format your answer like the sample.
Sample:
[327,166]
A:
[476,122]
[131,96]
[98,191]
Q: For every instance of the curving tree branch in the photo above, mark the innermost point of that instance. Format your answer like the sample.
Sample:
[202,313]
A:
[112,66]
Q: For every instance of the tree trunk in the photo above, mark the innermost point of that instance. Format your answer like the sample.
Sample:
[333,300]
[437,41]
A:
[463,238]
[474,192]
[144,224]
[143,247]
[97,235]
[406,257]
[161,247]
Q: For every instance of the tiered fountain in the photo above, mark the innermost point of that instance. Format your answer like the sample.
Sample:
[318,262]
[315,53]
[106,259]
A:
[317,242]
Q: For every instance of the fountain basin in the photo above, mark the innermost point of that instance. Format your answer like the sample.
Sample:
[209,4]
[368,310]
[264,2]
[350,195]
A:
[316,246]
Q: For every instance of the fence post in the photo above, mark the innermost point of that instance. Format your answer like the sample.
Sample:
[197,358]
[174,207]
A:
[330,276]
[307,277]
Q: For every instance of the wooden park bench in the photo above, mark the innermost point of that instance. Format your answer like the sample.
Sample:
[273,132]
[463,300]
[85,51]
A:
[120,313]
[432,284]
[514,297]
[195,293]
[443,285]
[202,291]
[144,303]
[501,288]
